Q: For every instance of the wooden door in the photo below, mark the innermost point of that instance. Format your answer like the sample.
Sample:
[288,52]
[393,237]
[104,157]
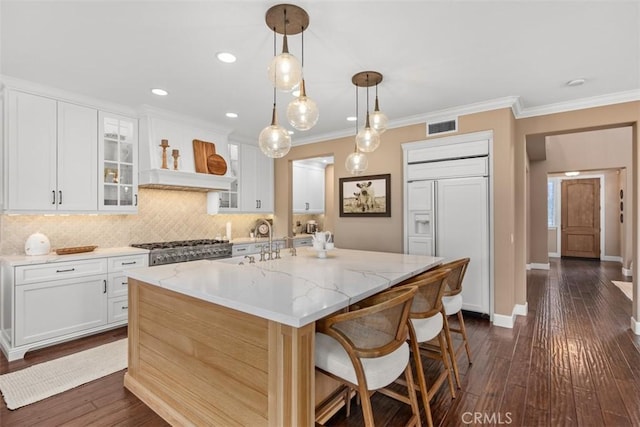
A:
[581,218]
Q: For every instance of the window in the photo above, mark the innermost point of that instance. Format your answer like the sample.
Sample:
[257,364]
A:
[552,187]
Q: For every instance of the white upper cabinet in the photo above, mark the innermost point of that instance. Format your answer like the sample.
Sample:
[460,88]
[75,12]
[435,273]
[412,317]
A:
[256,181]
[52,155]
[308,189]
[118,159]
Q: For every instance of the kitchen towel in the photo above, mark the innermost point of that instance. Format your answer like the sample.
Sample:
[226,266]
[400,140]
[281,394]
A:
[46,379]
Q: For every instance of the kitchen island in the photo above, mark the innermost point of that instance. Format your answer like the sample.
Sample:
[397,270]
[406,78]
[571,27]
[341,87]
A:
[230,342]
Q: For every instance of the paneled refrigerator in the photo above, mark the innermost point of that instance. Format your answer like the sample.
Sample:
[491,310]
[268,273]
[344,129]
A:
[448,216]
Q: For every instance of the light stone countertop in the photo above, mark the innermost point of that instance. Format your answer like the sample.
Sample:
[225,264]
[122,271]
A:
[293,290]
[17,260]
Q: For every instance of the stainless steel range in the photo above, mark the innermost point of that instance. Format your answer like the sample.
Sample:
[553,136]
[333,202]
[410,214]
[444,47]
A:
[185,250]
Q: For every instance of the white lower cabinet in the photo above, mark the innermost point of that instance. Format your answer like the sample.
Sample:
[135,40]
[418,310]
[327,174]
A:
[302,241]
[43,304]
[52,309]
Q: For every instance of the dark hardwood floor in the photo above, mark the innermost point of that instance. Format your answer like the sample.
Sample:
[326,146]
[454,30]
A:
[572,361]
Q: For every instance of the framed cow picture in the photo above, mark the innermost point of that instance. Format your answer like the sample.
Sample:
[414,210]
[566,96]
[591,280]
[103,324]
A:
[365,196]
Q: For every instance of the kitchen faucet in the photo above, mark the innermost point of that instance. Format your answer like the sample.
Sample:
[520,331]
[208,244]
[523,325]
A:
[269,253]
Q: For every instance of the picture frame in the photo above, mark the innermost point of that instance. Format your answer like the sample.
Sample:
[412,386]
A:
[365,196]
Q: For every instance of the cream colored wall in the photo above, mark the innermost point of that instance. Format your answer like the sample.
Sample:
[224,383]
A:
[385,234]
[552,240]
[617,115]
[539,253]
[163,215]
[592,150]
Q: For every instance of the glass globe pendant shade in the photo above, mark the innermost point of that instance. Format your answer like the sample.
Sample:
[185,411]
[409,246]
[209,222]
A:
[368,139]
[285,71]
[274,140]
[302,112]
[378,119]
[356,163]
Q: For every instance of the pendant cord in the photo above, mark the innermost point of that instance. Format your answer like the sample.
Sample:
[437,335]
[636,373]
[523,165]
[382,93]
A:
[367,95]
[302,47]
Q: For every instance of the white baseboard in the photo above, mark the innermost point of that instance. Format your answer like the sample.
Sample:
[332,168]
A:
[611,258]
[521,309]
[508,321]
[504,321]
[554,255]
[635,326]
[627,272]
[538,266]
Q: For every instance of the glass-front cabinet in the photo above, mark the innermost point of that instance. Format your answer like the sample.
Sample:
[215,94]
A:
[229,199]
[118,158]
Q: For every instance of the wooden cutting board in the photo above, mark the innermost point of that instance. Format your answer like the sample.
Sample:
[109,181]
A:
[216,164]
[201,152]
[207,161]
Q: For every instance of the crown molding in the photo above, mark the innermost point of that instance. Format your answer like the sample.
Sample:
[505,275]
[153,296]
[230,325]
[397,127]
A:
[580,104]
[146,110]
[329,136]
[13,83]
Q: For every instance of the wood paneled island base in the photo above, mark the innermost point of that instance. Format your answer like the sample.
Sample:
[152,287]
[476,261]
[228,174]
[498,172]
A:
[197,363]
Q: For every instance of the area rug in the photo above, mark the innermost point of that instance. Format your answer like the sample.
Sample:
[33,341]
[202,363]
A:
[46,379]
[625,287]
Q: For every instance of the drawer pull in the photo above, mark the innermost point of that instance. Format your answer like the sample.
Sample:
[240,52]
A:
[242,249]
[65,271]
[124,283]
[125,307]
[105,287]
[129,263]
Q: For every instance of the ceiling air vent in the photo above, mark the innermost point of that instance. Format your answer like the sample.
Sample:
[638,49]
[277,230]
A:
[444,126]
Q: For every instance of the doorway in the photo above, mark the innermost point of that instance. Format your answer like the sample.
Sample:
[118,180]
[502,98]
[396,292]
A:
[580,218]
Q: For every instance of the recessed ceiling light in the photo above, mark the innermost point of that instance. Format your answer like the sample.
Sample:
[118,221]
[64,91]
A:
[352,118]
[226,57]
[291,132]
[159,92]
[576,82]
[231,115]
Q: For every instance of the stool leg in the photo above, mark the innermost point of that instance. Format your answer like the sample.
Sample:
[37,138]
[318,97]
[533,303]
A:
[422,383]
[463,330]
[412,396]
[367,410]
[451,349]
[445,360]
[347,400]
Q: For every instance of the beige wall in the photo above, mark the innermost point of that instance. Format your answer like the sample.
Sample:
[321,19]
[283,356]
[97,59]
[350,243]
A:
[552,239]
[585,151]
[385,234]
[163,215]
[617,115]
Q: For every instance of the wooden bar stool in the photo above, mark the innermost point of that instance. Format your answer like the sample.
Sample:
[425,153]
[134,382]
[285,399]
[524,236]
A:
[366,348]
[452,304]
[426,323]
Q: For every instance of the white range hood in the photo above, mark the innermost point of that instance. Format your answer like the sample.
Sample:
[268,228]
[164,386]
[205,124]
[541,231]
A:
[180,131]
[178,180]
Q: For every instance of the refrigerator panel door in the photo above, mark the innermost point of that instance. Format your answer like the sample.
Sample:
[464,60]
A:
[420,195]
[421,246]
[462,231]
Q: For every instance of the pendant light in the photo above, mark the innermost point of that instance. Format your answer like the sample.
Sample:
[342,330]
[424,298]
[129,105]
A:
[378,118]
[302,112]
[285,71]
[368,139]
[274,140]
[356,162]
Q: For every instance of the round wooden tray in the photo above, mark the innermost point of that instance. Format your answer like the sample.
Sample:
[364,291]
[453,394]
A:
[216,164]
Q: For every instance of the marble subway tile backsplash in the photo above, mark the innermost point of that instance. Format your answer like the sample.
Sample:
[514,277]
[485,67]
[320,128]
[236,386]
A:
[163,215]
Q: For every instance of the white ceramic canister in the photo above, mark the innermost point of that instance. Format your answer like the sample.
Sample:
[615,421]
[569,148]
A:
[37,244]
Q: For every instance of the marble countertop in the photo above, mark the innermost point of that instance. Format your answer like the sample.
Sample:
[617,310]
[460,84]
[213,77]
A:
[293,290]
[16,260]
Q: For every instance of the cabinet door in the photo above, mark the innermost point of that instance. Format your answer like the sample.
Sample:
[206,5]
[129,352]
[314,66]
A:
[118,160]
[299,183]
[315,191]
[77,158]
[229,201]
[52,309]
[31,162]
[256,184]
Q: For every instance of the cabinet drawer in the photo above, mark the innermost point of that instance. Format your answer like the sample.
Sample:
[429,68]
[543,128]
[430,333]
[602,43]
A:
[307,241]
[118,286]
[118,309]
[59,270]
[127,262]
